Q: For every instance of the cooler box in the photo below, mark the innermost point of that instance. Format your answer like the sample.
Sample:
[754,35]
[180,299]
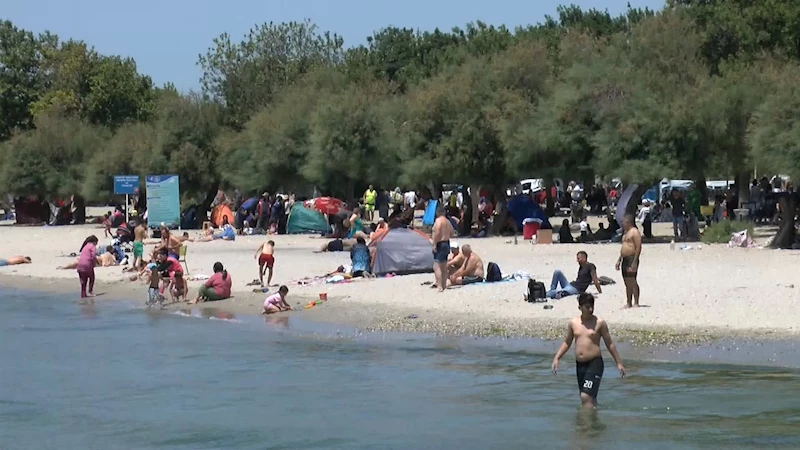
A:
[529,230]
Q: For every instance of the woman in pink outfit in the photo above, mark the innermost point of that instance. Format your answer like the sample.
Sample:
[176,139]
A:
[86,263]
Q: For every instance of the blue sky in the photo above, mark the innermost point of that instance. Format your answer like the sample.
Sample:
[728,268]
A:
[166,36]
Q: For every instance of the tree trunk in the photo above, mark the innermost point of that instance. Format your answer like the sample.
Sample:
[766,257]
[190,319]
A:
[700,183]
[202,210]
[500,211]
[350,193]
[785,237]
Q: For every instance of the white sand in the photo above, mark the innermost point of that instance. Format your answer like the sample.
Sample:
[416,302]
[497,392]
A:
[716,287]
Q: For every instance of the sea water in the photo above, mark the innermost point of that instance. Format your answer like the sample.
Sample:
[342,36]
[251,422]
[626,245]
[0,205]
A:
[114,376]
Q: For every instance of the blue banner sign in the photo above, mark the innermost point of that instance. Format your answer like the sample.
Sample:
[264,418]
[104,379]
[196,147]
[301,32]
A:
[163,200]
[126,184]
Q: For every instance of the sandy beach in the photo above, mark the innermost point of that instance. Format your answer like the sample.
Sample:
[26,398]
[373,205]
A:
[687,295]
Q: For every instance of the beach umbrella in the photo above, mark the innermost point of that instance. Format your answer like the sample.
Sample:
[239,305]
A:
[624,199]
[325,205]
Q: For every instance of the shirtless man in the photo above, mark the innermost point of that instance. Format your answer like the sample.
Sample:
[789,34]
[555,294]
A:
[586,330]
[266,260]
[455,260]
[471,271]
[629,259]
[169,242]
[15,260]
[109,258]
[442,232]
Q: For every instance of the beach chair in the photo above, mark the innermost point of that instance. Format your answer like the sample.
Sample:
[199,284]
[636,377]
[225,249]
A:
[182,258]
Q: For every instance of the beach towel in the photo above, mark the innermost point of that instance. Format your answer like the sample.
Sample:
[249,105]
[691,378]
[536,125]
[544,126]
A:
[430,213]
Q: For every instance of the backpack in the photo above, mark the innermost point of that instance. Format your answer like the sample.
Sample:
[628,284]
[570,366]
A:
[493,273]
[536,291]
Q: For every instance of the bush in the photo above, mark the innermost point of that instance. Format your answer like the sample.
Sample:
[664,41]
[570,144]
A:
[720,233]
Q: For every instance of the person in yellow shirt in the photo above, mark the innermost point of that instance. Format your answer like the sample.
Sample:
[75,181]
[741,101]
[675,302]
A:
[369,202]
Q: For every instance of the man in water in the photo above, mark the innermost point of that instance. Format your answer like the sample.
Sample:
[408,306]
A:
[586,330]
[629,259]
[442,232]
[472,269]
[15,260]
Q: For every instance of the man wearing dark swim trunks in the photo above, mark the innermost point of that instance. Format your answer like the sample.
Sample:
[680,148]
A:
[629,259]
[586,330]
[442,232]
[471,271]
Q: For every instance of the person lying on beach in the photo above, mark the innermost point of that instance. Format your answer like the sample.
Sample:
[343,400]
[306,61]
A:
[226,233]
[217,287]
[337,245]
[471,271]
[266,260]
[455,260]
[16,260]
[586,331]
[277,302]
[587,275]
[108,258]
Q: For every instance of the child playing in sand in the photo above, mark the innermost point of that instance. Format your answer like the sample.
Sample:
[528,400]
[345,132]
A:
[586,330]
[153,296]
[179,288]
[266,260]
[277,302]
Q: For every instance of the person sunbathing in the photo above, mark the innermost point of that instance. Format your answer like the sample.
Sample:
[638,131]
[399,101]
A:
[15,260]
[337,245]
[471,271]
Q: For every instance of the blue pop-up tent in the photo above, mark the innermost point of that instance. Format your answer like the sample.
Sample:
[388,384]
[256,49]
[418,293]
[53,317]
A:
[521,207]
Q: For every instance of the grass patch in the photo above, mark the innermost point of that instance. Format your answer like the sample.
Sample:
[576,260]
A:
[720,233]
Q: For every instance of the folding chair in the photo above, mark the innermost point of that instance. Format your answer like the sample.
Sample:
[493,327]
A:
[182,258]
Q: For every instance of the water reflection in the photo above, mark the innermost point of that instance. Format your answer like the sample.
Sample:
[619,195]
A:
[588,428]
[276,321]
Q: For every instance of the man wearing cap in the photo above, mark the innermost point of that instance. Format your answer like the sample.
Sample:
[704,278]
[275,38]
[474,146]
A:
[455,260]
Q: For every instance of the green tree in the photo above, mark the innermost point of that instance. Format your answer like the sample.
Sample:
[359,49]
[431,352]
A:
[50,160]
[247,76]
[20,82]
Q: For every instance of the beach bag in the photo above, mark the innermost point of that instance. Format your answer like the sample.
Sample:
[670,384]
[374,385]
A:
[493,273]
[536,291]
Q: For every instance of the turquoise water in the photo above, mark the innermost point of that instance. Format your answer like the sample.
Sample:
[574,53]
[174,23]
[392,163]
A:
[111,376]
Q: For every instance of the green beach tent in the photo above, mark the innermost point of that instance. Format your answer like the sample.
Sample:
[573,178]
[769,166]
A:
[306,220]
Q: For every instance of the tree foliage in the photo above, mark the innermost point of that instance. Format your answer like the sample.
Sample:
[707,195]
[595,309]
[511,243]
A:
[699,89]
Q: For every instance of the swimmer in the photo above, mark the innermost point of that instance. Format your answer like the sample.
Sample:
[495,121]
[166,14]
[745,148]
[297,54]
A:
[586,330]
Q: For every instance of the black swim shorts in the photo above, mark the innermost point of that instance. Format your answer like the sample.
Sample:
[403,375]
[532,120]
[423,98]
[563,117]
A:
[471,279]
[442,252]
[627,262]
[590,373]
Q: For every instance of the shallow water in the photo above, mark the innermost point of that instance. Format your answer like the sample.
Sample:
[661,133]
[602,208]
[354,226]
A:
[112,376]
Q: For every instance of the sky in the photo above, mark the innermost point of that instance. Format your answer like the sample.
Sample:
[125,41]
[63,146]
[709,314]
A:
[165,37]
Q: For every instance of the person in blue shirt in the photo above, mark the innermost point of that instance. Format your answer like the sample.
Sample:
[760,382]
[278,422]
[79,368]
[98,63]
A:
[359,256]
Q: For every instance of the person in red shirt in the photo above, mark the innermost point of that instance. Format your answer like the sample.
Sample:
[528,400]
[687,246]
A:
[169,267]
[218,287]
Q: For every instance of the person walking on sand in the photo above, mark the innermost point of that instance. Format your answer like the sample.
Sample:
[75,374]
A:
[628,260]
[442,232]
[266,260]
[586,330]
[85,267]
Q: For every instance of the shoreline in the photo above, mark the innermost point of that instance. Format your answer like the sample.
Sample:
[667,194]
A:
[377,318]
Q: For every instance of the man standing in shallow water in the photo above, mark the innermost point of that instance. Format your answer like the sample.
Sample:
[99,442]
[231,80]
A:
[586,330]
[628,260]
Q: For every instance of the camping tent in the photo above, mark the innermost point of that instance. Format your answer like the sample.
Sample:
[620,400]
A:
[401,251]
[219,212]
[521,207]
[306,220]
